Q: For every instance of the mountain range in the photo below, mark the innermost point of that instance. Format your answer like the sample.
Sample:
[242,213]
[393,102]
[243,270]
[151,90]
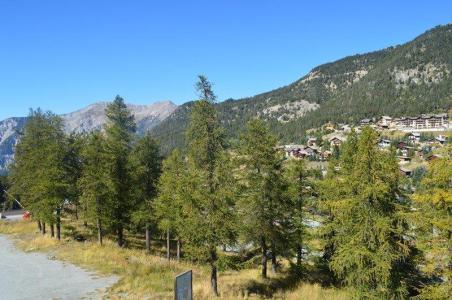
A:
[403,80]
[83,120]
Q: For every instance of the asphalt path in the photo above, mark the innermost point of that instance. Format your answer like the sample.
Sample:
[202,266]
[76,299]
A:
[35,276]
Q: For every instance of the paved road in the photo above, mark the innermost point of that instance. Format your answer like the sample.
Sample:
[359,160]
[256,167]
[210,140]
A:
[33,276]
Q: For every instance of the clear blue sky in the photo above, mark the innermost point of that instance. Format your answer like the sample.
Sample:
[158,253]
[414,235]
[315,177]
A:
[63,55]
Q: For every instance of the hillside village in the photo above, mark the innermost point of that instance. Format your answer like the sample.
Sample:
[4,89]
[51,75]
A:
[415,140]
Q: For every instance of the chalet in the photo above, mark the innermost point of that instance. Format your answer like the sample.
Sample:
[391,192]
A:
[292,150]
[401,145]
[311,151]
[415,137]
[335,141]
[312,141]
[325,154]
[385,122]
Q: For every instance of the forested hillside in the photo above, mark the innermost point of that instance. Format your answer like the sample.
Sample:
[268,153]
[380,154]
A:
[408,79]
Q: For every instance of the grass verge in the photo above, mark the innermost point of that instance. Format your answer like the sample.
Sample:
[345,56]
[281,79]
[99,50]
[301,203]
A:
[144,276]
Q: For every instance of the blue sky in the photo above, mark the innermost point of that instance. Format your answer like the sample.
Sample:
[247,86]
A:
[63,55]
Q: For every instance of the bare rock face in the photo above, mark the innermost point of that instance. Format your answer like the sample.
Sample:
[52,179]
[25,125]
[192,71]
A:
[93,116]
[84,120]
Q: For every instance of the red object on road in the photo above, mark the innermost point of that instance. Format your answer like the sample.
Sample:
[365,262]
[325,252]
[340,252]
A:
[26,215]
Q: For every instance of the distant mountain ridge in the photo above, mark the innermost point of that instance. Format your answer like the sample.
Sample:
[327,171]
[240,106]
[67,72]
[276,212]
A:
[408,79]
[83,120]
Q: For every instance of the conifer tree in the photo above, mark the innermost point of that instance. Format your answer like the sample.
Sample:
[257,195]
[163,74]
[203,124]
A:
[371,250]
[433,203]
[171,194]
[119,132]
[95,184]
[39,174]
[264,202]
[146,166]
[299,190]
[209,222]
[73,163]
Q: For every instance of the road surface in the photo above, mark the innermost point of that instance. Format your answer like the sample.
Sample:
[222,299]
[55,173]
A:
[34,276]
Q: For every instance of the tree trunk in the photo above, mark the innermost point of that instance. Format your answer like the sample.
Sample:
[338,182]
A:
[299,254]
[213,273]
[120,237]
[99,231]
[43,228]
[264,257]
[52,230]
[274,262]
[39,226]
[76,212]
[178,248]
[168,244]
[148,239]
[58,224]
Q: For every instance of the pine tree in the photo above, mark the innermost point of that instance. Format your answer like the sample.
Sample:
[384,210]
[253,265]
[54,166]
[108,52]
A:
[119,131]
[433,203]
[95,184]
[210,218]
[371,250]
[146,165]
[264,202]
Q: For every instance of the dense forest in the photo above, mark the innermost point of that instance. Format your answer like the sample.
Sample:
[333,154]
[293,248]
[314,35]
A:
[379,238]
[405,80]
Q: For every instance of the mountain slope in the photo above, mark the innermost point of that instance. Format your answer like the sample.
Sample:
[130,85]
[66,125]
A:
[409,79]
[83,120]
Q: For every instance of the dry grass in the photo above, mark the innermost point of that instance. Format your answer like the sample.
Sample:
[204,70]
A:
[141,274]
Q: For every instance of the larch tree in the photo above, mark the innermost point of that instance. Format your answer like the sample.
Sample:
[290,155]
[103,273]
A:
[119,131]
[168,206]
[94,183]
[73,163]
[433,221]
[146,164]
[39,175]
[264,203]
[209,222]
[372,249]
[299,191]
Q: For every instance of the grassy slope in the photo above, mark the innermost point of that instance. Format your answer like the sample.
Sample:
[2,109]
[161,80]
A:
[142,275]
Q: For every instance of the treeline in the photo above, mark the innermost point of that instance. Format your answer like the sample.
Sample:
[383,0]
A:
[217,195]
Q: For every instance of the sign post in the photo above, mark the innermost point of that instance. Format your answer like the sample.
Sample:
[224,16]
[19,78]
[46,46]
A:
[183,286]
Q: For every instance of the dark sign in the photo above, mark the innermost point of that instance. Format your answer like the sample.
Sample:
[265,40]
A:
[183,286]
